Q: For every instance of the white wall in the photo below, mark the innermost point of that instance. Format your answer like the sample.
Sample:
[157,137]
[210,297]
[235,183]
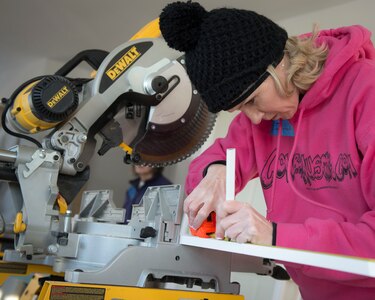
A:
[355,12]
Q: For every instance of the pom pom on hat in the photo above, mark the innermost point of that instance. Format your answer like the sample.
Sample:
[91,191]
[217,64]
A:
[180,23]
[227,50]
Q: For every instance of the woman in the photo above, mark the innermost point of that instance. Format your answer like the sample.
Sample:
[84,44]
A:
[305,127]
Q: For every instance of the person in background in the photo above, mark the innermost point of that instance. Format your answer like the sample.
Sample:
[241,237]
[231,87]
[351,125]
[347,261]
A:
[146,176]
[305,127]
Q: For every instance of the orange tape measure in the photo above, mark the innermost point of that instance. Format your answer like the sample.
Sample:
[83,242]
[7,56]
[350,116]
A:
[208,227]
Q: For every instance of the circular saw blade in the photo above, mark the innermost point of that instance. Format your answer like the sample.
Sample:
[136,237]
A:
[167,144]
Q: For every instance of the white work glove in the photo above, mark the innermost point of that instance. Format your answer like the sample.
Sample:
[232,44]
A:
[206,197]
[240,222]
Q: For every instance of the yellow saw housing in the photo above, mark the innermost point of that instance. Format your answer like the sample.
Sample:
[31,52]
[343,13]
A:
[23,114]
[43,104]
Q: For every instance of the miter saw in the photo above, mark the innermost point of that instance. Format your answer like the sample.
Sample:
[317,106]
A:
[142,100]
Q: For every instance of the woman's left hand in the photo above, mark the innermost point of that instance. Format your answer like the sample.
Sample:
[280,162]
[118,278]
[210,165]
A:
[240,222]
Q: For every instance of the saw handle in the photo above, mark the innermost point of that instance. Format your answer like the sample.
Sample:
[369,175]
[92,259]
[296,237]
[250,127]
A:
[93,57]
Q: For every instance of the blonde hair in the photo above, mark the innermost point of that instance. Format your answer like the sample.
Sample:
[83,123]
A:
[306,63]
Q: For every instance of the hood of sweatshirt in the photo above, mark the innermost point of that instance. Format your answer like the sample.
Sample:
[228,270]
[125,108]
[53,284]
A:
[346,46]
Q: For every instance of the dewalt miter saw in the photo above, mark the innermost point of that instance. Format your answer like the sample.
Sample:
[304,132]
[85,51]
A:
[142,100]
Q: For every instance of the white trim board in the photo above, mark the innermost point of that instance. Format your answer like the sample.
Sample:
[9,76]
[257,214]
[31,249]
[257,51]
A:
[349,264]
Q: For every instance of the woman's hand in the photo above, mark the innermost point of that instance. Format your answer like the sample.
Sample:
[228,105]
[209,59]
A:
[206,196]
[240,222]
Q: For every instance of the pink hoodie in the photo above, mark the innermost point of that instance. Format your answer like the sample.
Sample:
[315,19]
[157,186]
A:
[319,184]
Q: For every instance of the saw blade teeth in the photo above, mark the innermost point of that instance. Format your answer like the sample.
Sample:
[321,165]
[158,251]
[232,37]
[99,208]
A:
[171,145]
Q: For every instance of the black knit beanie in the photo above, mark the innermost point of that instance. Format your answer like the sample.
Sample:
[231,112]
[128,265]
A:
[227,50]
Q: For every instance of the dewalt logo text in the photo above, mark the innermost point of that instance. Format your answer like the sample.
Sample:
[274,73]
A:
[58,96]
[123,63]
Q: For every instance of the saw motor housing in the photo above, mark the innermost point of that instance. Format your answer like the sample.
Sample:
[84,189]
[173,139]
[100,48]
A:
[43,104]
